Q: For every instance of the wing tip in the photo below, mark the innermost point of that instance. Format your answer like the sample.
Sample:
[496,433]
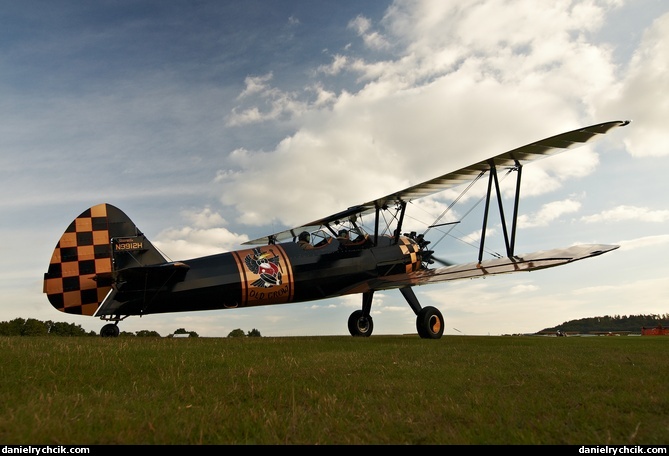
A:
[601,249]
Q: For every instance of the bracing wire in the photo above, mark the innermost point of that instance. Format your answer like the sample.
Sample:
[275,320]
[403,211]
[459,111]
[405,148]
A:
[450,206]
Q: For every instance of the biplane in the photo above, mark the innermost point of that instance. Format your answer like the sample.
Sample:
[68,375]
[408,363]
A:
[104,266]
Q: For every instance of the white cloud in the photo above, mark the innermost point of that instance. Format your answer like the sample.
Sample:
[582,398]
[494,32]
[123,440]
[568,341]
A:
[419,117]
[185,243]
[644,242]
[204,218]
[523,289]
[650,293]
[623,213]
[642,95]
[255,84]
[548,213]
[275,103]
[371,38]
[339,63]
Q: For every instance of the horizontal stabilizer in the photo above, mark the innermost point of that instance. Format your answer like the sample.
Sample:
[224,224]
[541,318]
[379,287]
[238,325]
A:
[144,281]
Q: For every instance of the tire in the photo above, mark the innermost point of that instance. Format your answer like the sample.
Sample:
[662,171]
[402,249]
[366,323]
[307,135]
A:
[430,323]
[109,330]
[359,325]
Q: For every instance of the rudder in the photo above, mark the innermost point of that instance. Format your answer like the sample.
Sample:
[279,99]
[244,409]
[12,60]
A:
[82,265]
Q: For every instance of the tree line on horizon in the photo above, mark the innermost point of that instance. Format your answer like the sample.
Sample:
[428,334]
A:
[34,327]
[615,323]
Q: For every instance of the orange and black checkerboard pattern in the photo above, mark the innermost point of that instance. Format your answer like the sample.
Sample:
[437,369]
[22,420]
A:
[82,253]
[411,249]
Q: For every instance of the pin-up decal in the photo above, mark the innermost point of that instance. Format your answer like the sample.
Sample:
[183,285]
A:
[266,265]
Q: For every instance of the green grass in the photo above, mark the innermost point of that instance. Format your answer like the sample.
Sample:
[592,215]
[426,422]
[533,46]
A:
[334,390]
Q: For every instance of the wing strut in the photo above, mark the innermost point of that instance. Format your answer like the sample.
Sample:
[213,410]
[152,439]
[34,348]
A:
[398,230]
[519,170]
[399,209]
[376,225]
[510,244]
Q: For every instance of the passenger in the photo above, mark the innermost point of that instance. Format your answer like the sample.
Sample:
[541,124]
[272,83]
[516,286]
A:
[343,237]
[303,240]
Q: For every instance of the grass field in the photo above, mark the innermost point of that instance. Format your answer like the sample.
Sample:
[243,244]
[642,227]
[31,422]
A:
[335,390]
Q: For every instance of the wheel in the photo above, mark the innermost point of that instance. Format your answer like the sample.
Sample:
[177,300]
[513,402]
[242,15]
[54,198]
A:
[109,330]
[430,323]
[359,325]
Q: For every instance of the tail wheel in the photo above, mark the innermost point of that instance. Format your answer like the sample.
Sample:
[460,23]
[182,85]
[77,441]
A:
[430,323]
[109,330]
[360,325]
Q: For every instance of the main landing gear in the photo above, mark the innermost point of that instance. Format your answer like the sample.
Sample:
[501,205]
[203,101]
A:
[110,330]
[429,321]
[360,323]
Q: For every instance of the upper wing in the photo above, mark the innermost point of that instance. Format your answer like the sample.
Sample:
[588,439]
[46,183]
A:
[528,262]
[512,158]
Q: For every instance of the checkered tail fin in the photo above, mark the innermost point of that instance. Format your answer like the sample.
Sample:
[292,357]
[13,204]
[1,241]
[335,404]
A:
[82,270]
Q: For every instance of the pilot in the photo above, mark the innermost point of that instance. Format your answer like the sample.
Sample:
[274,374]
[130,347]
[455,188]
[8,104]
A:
[303,240]
[343,237]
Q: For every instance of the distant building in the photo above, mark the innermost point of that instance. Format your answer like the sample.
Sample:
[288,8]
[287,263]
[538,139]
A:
[657,331]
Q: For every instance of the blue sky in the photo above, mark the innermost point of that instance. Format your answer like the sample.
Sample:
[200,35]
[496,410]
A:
[210,123]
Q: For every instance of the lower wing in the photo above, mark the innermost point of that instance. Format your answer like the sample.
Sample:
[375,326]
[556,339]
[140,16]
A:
[528,262]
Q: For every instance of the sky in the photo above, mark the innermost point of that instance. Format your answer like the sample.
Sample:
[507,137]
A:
[211,123]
